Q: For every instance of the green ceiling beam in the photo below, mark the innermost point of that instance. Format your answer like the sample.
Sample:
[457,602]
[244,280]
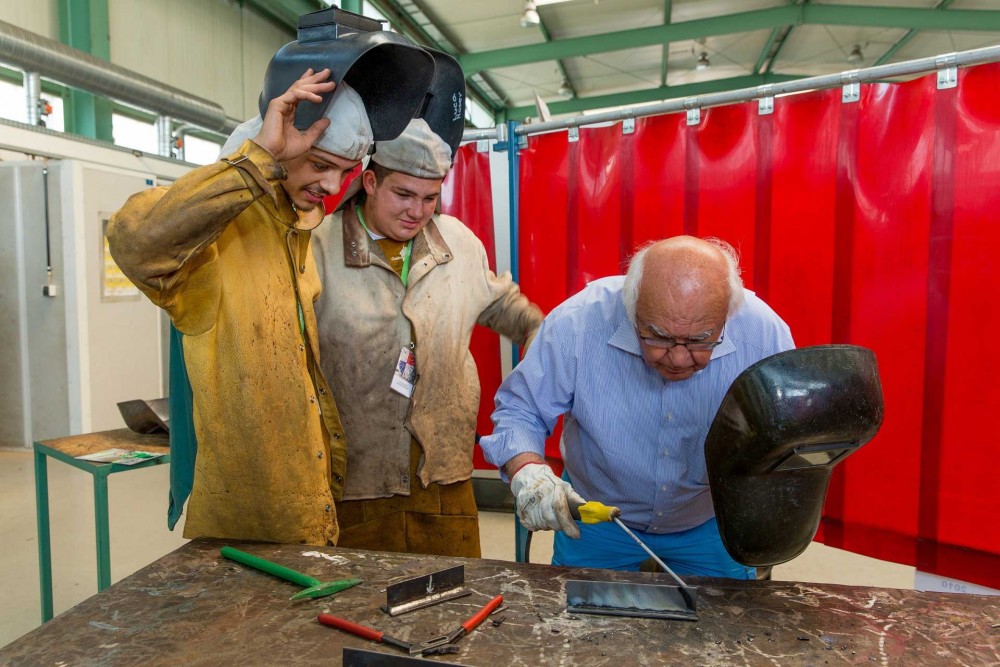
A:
[559,63]
[764,19]
[667,11]
[83,25]
[285,13]
[404,23]
[351,6]
[651,95]
[905,39]
[766,52]
[628,39]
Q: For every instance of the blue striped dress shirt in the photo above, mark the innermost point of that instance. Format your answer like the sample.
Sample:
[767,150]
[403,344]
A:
[630,438]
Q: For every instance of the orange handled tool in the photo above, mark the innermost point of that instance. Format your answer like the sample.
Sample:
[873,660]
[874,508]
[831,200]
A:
[440,644]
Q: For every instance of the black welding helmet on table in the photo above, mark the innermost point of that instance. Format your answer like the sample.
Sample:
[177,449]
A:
[390,73]
[783,425]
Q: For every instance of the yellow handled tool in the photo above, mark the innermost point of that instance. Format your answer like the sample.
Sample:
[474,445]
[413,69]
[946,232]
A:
[595,512]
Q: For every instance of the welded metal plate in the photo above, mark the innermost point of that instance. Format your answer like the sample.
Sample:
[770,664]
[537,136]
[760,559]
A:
[615,598]
[404,595]
[356,657]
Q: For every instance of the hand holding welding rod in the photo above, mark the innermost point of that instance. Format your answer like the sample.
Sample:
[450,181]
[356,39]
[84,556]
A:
[314,587]
[363,631]
[595,512]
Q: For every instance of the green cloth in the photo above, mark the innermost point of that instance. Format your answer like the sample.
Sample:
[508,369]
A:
[183,442]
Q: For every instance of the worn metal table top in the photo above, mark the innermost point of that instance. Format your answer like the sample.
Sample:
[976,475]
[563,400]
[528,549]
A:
[192,607]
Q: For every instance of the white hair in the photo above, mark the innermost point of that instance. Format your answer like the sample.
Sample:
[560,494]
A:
[633,278]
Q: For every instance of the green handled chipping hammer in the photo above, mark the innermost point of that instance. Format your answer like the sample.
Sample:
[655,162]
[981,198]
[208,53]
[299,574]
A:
[314,587]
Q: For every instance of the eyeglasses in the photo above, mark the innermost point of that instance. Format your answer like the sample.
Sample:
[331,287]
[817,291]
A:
[692,346]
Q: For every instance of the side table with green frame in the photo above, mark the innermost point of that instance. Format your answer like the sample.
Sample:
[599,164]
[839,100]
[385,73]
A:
[66,450]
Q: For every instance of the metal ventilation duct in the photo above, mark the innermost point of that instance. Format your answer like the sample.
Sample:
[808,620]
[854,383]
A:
[53,60]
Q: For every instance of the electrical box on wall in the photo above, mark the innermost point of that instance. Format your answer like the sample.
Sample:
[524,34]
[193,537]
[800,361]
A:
[77,337]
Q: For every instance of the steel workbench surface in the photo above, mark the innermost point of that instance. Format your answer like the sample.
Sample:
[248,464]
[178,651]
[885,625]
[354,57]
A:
[193,607]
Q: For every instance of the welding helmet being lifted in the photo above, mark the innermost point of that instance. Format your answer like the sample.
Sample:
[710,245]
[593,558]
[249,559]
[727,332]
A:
[390,73]
[444,105]
[784,424]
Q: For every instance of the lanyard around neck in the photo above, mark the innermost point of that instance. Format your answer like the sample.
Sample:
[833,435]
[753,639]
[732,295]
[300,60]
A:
[404,274]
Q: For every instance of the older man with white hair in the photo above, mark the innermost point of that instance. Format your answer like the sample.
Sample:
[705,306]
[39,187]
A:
[638,366]
[225,251]
[403,288]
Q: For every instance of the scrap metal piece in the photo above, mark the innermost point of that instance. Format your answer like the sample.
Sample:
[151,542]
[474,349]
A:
[616,598]
[356,657]
[152,416]
[405,595]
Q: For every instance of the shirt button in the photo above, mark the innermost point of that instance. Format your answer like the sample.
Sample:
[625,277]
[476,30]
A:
[666,452]
[339,479]
[659,514]
[327,508]
[322,391]
[312,399]
[353,244]
[336,436]
[302,268]
[319,455]
[670,416]
[302,348]
[663,488]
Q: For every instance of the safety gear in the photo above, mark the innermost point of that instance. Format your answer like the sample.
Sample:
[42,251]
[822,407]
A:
[211,250]
[366,315]
[349,135]
[418,151]
[784,424]
[543,500]
[390,73]
[444,105]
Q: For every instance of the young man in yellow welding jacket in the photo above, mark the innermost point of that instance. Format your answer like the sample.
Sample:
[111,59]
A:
[402,290]
[225,251]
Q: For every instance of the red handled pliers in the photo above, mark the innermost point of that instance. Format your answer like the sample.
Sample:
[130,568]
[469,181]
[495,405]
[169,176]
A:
[440,644]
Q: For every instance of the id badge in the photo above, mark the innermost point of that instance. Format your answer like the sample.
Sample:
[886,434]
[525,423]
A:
[405,374]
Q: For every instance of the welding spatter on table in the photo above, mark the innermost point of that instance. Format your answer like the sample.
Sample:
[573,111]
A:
[314,587]
[435,645]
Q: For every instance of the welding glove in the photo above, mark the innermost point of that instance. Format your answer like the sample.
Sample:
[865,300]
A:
[543,500]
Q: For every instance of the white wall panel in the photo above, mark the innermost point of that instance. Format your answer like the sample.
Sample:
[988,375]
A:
[210,48]
[38,16]
[262,39]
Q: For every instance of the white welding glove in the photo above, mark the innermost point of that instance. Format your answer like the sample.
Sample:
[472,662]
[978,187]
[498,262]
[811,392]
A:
[543,500]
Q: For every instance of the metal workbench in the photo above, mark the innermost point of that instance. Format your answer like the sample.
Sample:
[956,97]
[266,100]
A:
[193,607]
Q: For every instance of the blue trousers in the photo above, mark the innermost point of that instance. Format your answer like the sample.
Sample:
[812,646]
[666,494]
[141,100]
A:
[697,551]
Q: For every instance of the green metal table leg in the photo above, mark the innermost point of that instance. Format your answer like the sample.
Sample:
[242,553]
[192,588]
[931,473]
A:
[44,537]
[101,524]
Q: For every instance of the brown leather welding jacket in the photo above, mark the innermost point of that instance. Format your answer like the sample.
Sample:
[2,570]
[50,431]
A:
[366,316]
[225,253]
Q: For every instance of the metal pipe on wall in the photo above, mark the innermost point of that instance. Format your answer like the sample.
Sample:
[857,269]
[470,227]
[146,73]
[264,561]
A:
[164,136]
[56,61]
[33,96]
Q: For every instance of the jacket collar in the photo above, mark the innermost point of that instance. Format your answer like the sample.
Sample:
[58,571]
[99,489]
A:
[284,211]
[357,242]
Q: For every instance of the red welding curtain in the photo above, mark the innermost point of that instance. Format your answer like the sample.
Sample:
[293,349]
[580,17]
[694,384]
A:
[870,223]
[468,196]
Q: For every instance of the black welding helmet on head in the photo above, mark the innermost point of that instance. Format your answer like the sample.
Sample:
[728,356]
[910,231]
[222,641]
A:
[784,424]
[390,73]
[444,105]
